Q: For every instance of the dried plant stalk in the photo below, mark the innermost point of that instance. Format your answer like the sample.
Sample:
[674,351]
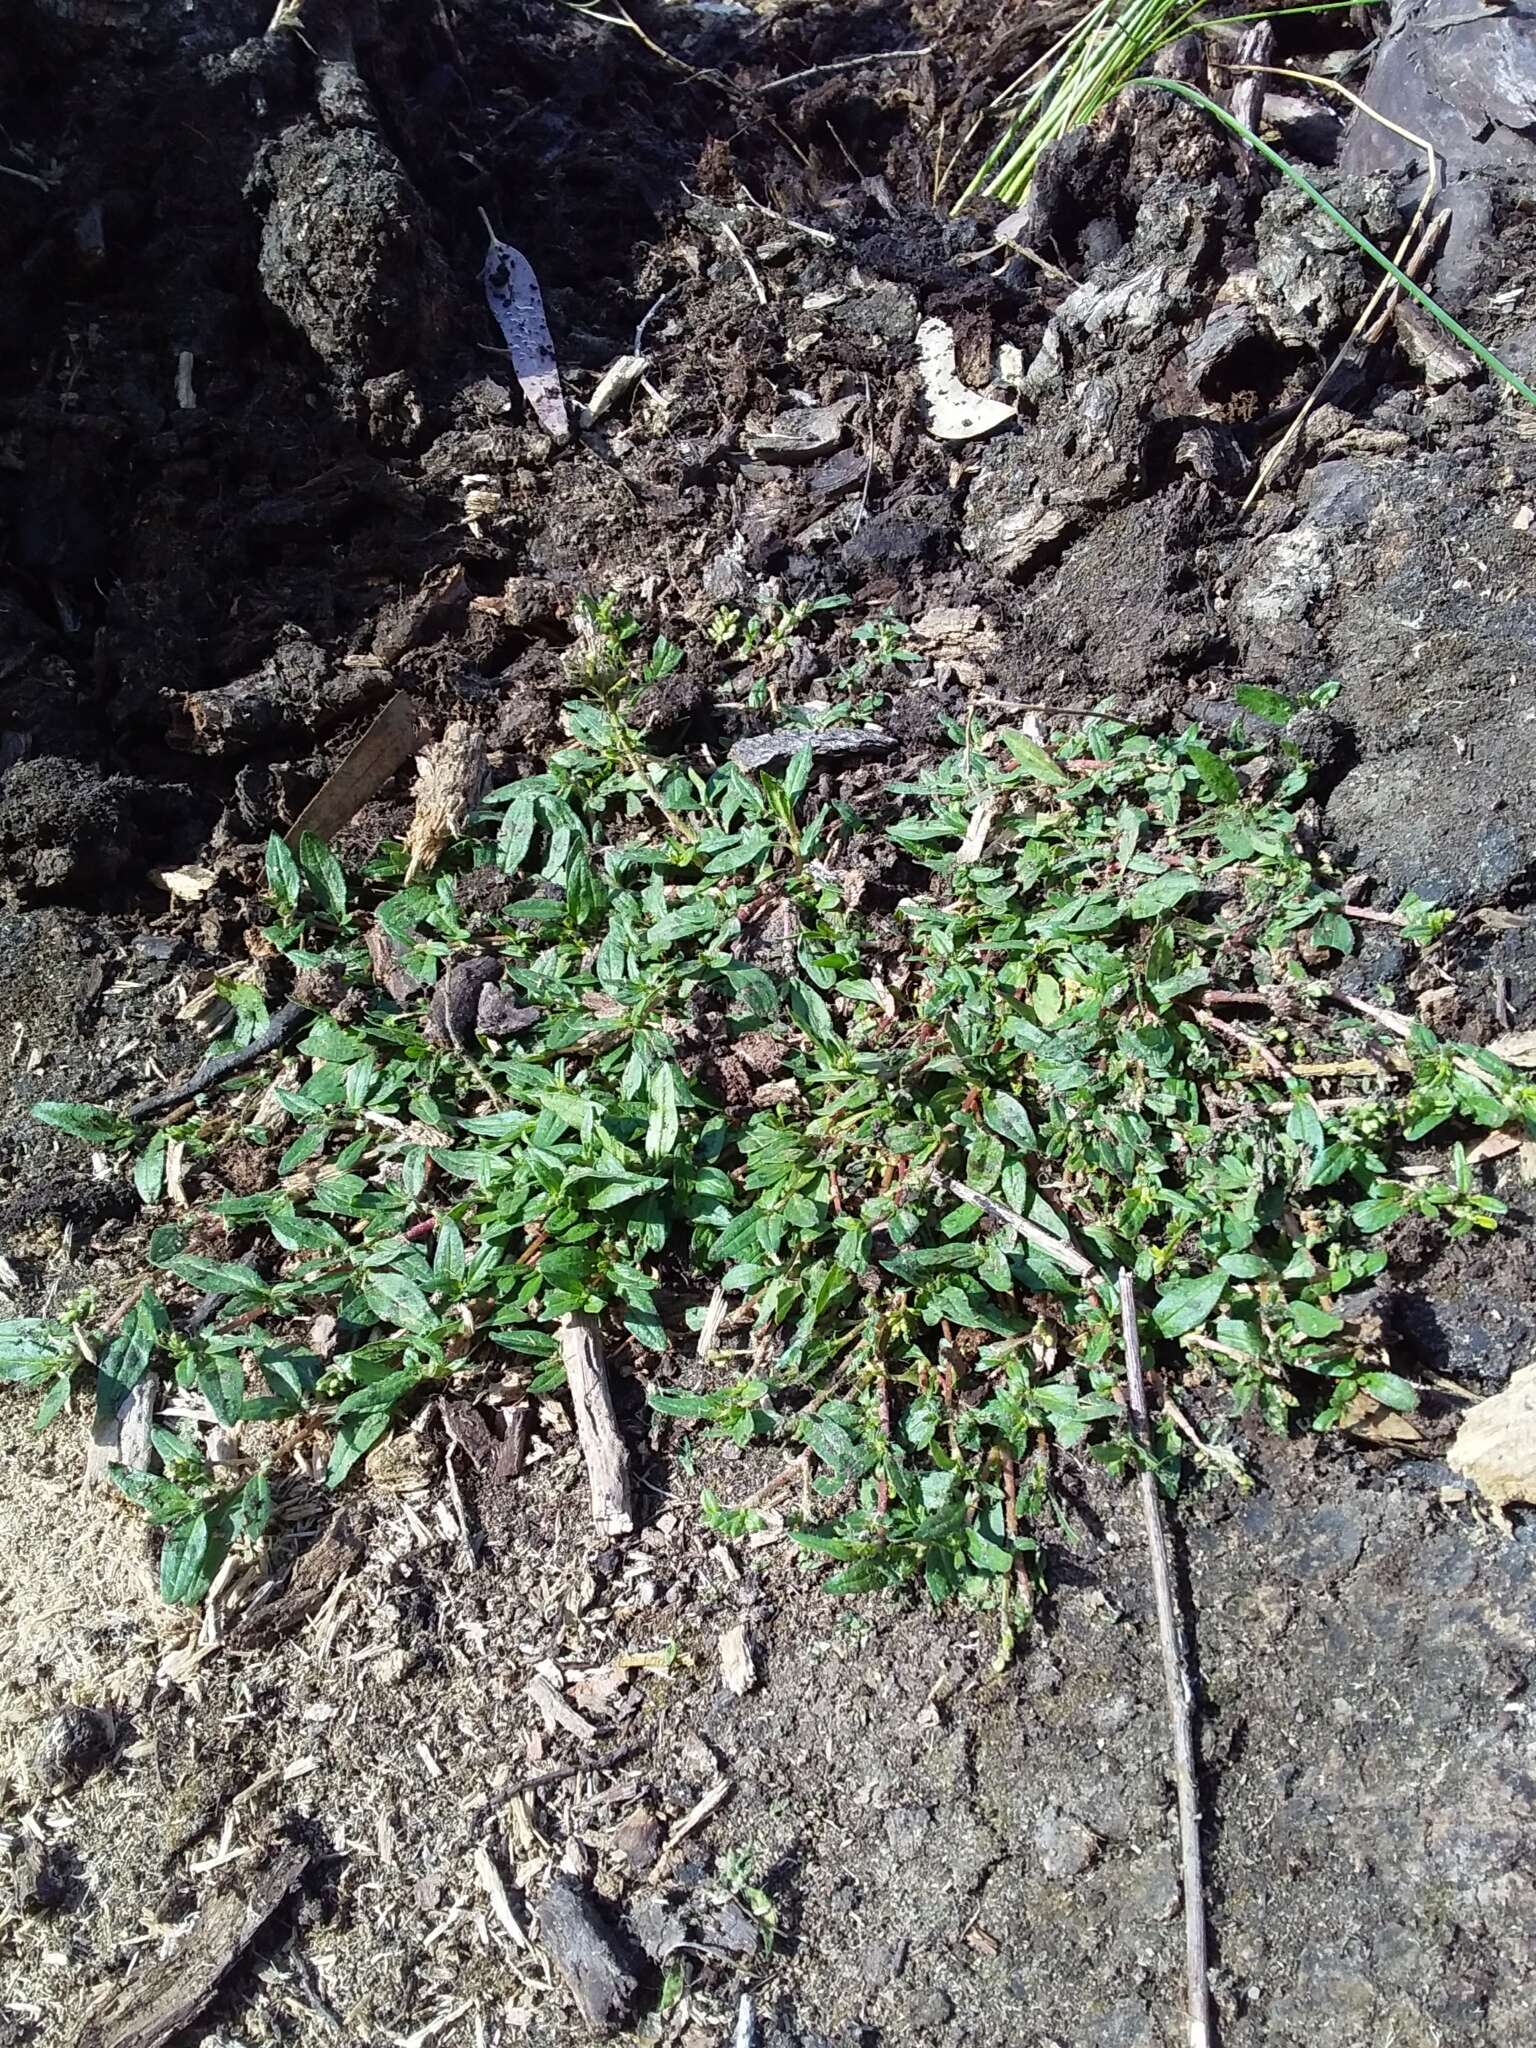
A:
[450,781]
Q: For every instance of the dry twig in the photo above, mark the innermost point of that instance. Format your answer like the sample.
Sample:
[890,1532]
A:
[1181,1715]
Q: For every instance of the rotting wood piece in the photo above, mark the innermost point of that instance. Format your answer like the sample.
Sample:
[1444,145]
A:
[607,1460]
[295,691]
[310,1585]
[589,1956]
[156,2003]
[122,1438]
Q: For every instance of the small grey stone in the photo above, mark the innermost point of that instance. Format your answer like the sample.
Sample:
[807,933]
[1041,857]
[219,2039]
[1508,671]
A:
[1064,1846]
[1150,1887]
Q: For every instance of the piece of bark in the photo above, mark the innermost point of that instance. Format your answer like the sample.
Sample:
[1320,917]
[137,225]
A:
[738,1667]
[310,1584]
[295,692]
[123,1438]
[469,1430]
[453,1015]
[386,956]
[590,1956]
[512,1451]
[157,2002]
[607,1460]
[383,749]
[450,781]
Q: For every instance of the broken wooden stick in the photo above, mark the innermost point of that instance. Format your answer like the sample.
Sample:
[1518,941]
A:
[1056,1249]
[1181,1707]
[385,747]
[602,1448]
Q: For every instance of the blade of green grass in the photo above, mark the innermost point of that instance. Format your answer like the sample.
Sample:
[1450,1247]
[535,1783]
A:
[1303,184]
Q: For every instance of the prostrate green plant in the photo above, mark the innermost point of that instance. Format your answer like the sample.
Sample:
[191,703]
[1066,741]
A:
[911,1131]
[1108,52]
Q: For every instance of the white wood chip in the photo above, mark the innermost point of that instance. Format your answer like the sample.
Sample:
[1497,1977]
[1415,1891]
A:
[737,1665]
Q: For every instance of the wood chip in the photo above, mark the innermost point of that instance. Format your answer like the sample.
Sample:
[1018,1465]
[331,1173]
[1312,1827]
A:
[617,382]
[804,435]
[1517,1048]
[737,1666]
[690,1824]
[186,885]
[951,410]
[317,1575]
[157,2002]
[494,1887]
[556,1709]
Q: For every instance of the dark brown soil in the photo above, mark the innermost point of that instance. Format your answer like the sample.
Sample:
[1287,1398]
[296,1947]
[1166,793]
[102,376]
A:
[259,449]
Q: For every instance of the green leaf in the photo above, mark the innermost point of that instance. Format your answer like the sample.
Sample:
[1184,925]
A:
[1271,704]
[214,1276]
[184,1573]
[1163,893]
[1184,1304]
[1334,930]
[52,1403]
[1377,1214]
[516,834]
[1313,1321]
[797,775]
[1045,998]
[1216,775]
[661,1132]
[149,1169]
[688,1407]
[354,1439]
[1033,758]
[397,1301]
[252,1510]
[283,878]
[1011,1120]
[322,870]
[1391,1390]
[812,1014]
[448,1261]
[84,1121]
[380,1395]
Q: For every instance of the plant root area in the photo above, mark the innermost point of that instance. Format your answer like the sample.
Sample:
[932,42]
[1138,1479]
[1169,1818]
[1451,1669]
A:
[263,463]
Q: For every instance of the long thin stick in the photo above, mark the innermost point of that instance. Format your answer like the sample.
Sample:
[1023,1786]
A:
[1181,1708]
[1053,1248]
